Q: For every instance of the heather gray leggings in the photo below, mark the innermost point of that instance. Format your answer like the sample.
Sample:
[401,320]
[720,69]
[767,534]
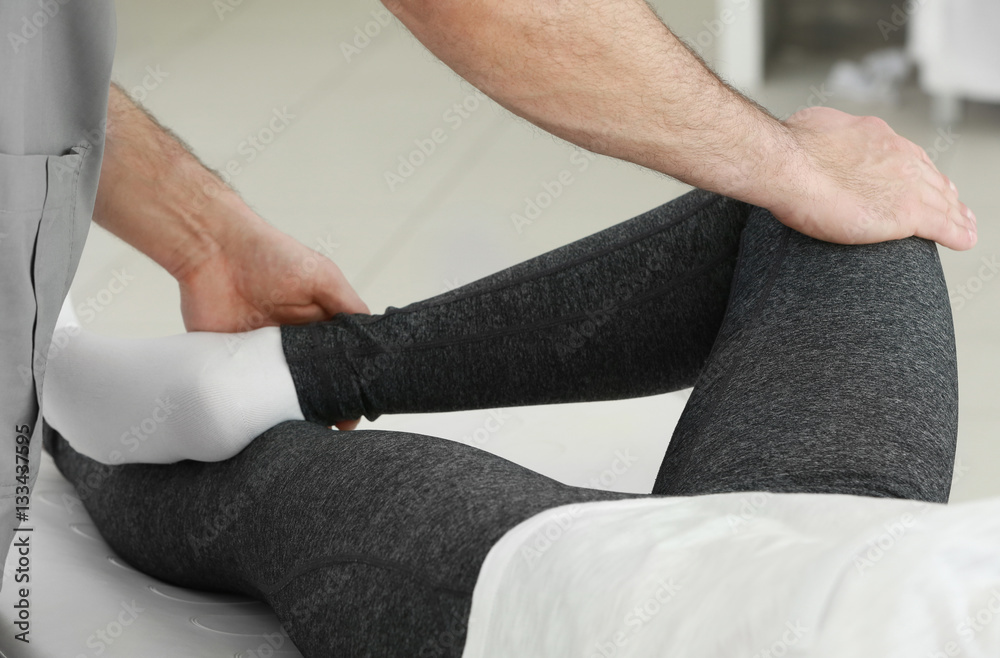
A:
[816,368]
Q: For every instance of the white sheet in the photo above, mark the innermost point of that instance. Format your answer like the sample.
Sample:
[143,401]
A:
[750,575]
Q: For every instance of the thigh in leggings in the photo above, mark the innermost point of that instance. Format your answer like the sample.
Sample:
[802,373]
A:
[834,371]
[365,543]
[825,369]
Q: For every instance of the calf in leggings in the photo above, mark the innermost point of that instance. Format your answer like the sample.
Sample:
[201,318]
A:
[816,367]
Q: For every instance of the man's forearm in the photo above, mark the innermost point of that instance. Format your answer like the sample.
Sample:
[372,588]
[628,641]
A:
[608,75]
[235,271]
[155,195]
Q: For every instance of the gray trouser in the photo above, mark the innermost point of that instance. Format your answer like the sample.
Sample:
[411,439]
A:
[54,75]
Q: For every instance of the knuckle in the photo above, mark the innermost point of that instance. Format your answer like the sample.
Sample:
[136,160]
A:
[874,122]
[903,145]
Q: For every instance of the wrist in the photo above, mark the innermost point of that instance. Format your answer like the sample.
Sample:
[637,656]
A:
[776,167]
[797,180]
[743,152]
[159,198]
[211,217]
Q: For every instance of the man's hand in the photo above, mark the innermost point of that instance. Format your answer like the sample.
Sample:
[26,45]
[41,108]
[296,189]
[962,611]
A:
[611,77]
[855,181]
[235,272]
[262,277]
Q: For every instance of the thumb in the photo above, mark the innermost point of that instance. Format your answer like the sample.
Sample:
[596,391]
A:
[332,291]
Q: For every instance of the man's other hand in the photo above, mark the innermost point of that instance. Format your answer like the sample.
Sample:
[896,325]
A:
[855,181]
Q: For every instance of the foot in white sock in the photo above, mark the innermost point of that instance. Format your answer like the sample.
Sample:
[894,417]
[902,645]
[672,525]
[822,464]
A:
[200,396]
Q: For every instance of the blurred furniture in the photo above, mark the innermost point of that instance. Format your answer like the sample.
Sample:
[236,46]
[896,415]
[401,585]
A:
[953,42]
[956,48]
[749,31]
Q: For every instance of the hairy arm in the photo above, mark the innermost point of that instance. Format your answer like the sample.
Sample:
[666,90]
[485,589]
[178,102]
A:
[155,195]
[235,271]
[609,76]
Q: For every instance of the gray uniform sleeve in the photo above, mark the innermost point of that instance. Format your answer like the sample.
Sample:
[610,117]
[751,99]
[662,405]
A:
[54,74]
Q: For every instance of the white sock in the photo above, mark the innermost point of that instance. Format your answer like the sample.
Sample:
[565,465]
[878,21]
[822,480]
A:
[200,395]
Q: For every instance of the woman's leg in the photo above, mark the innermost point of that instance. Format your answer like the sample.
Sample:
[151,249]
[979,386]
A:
[365,543]
[370,543]
[630,311]
[834,372]
[380,507]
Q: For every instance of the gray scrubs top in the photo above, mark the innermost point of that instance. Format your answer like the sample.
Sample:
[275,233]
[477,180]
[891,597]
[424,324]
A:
[55,69]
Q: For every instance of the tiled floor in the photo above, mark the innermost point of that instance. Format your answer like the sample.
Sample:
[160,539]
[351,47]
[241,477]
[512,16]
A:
[351,114]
